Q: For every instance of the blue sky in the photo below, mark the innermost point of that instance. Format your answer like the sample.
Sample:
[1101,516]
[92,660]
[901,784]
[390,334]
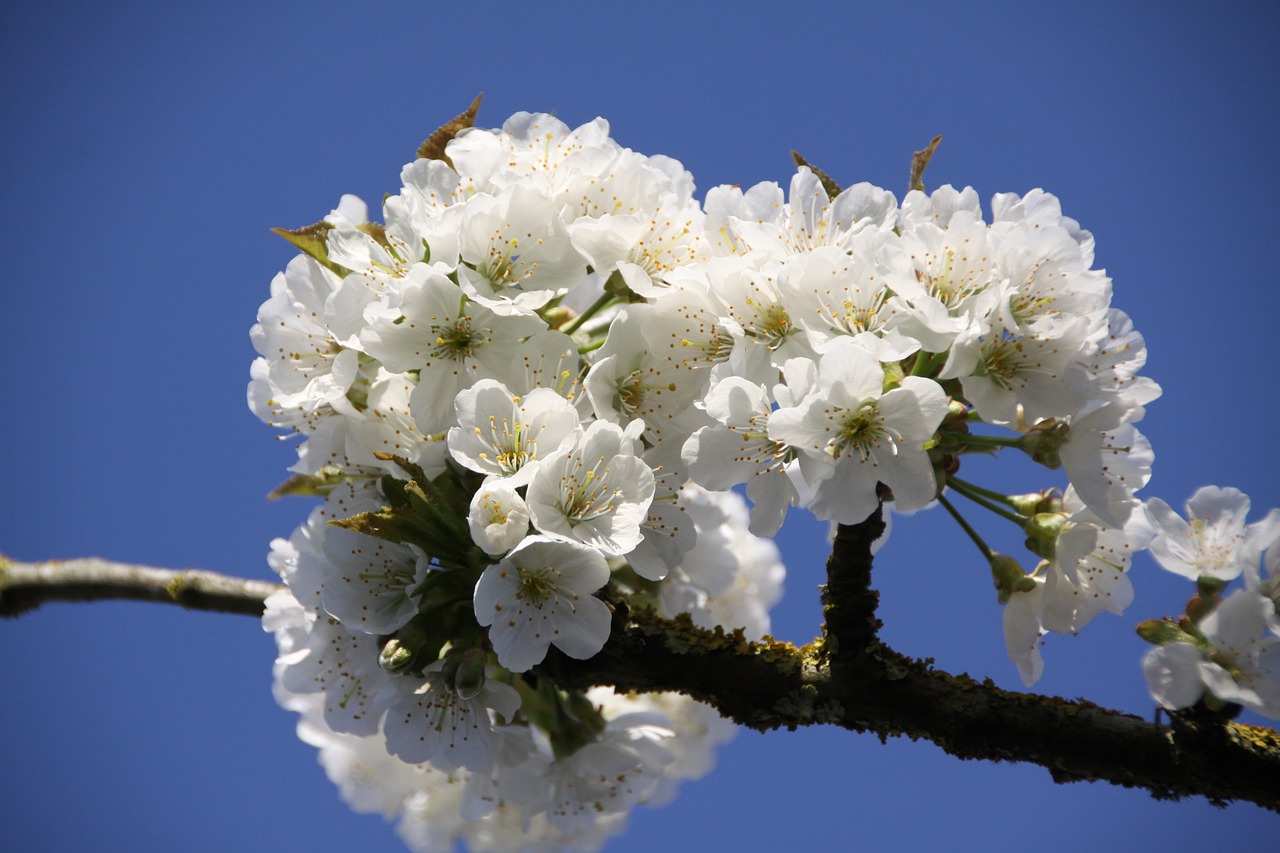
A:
[148,148]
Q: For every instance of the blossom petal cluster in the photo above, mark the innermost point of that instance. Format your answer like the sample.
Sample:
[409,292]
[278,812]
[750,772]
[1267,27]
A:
[531,392]
[1225,650]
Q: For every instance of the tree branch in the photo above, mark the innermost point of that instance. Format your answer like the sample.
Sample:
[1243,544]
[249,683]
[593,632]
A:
[848,679]
[25,586]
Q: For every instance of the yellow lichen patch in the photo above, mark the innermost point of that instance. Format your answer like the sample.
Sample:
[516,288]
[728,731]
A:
[1258,738]
[176,586]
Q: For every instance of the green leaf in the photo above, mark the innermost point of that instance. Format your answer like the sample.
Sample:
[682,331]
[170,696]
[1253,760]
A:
[832,188]
[313,240]
[394,525]
[433,147]
[319,483]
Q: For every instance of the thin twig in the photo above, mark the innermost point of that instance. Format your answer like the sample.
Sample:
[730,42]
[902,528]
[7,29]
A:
[25,586]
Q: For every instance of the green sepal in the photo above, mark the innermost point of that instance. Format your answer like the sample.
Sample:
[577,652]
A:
[614,284]
[537,701]
[465,670]
[580,724]
[1210,587]
[313,240]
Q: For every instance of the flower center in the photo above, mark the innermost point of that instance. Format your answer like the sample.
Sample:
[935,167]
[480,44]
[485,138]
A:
[862,431]
[536,585]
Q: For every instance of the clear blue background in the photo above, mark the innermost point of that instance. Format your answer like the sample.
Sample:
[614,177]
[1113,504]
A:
[147,148]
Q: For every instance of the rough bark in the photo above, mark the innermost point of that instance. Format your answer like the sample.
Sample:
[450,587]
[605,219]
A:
[848,678]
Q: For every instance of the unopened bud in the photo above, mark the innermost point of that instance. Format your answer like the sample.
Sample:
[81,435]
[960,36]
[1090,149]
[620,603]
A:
[395,656]
[468,678]
[557,316]
[957,412]
[1043,530]
[1008,577]
[1162,631]
[1032,503]
[1044,442]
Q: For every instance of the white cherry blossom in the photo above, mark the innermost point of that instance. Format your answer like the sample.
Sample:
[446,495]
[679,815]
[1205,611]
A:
[596,491]
[540,595]
[503,435]
[851,435]
[1214,540]
[1239,662]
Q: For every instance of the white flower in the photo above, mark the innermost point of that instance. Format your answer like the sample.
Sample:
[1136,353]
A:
[1236,665]
[1107,460]
[738,449]
[498,518]
[515,250]
[450,342]
[852,436]
[1023,630]
[629,381]
[534,149]
[342,667]
[1087,575]
[503,435]
[758,220]
[939,207]
[596,491]
[1214,541]
[1267,584]
[541,595]
[731,577]
[429,721]
[833,293]
[368,777]
[303,374]
[668,531]
[1011,377]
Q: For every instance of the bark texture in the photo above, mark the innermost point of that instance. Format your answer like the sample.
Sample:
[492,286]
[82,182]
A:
[847,678]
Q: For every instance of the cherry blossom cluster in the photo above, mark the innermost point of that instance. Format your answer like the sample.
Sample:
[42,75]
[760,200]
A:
[1225,650]
[529,394]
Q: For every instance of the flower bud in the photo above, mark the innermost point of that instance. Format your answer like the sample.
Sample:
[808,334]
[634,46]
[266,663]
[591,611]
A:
[1009,577]
[557,316]
[1043,442]
[468,677]
[395,656]
[1043,530]
[1163,631]
[957,412]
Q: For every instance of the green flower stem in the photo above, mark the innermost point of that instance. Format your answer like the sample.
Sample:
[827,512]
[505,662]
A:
[963,488]
[990,440]
[591,347]
[964,525]
[998,497]
[927,363]
[606,299]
